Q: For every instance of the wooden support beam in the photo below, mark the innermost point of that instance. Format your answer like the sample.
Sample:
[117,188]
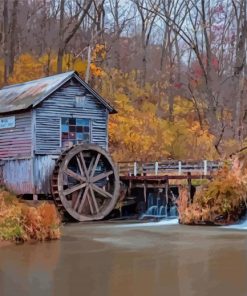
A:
[129,187]
[163,177]
[167,190]
[189,185]
[145,191]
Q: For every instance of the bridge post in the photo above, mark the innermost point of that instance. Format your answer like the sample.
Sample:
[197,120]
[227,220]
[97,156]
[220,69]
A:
[180,168]
[135,169]
[205,169]
[156,168]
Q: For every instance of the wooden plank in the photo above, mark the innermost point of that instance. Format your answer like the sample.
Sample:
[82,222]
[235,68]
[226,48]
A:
[163,177]
[145,191]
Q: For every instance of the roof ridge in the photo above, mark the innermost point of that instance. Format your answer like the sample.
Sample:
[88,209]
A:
[37,80]
[30,94]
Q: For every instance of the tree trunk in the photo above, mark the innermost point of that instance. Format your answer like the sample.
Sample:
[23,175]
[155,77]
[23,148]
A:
[89,57]
[13,37]
[170,89]
[6,40]
[144,66]
[60,53]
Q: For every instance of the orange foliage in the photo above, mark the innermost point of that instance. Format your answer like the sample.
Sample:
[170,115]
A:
[41,223]
[139,132]
[21,222]
[141,129]
[221,201]
[28,67]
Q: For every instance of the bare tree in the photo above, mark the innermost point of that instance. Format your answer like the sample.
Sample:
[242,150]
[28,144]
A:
[147,18]
[240,11]
[67,32]
[5,39]
[120,15]
[196,26]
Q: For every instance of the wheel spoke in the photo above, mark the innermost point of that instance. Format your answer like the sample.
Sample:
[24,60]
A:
[94,199]
[101,176]
[77,200]
[101,191]
[84,164]
[74,175]
[83,200]
[90,204]
[95,164]
[79,165]
[91,165]
[74,188]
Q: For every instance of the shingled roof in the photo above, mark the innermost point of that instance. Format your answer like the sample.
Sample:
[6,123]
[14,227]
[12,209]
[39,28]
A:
[20,97]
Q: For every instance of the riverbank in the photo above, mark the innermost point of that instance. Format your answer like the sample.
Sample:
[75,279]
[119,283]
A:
[20,221]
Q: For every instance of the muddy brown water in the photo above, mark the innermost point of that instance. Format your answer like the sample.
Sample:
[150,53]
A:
[120,260]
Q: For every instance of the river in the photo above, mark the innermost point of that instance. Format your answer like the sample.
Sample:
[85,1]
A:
[116,259]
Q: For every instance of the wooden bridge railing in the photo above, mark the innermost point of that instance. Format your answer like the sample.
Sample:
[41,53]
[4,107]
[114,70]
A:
[167,167]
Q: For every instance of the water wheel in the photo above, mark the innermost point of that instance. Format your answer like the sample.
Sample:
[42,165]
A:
[85,183]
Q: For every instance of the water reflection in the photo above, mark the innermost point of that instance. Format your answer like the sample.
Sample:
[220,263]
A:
[104,261]
[28,269]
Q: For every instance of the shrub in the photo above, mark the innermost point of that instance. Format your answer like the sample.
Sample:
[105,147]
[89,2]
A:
[21,222]
[221,201]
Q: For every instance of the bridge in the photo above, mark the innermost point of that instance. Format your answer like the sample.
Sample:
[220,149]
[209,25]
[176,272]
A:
[141,179]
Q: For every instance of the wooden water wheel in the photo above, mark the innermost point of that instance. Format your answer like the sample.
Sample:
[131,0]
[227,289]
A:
[85,183]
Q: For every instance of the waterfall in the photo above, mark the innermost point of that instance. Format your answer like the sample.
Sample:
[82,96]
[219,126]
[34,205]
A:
[158,207]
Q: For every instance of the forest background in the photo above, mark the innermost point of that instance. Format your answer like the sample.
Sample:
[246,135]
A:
[174,69]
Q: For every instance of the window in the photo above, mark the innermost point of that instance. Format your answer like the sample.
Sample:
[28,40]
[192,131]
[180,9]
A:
[79,101]
[75,131]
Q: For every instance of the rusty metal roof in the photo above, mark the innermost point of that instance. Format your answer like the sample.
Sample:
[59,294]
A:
[29,94]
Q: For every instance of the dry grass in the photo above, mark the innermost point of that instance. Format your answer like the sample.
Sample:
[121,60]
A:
[21,222]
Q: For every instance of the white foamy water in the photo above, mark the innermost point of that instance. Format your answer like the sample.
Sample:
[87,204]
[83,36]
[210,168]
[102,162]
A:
[148,224]
[241,226]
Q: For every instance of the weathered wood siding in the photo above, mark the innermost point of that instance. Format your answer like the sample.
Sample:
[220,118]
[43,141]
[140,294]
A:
[18,176]
[16,142]
[63,104]
[28,176]
[43,169]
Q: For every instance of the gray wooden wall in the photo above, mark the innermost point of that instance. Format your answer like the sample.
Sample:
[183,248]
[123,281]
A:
[17,142]
[17,176]
[62,104]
